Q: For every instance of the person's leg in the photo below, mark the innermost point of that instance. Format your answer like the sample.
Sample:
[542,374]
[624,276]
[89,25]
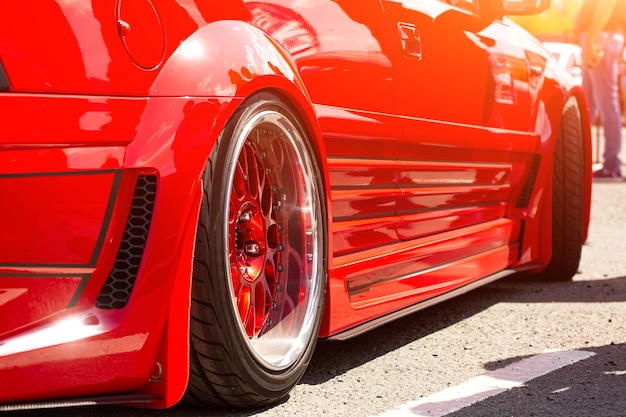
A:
[605,96]
[588,88]
[622,91]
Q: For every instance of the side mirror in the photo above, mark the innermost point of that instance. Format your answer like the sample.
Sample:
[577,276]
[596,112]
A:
[513,7]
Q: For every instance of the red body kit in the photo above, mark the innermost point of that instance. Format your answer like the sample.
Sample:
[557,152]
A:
[433,128]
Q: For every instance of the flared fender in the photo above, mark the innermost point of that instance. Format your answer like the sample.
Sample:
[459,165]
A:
[205,65]
[196,92]
[537,245]
[210,78]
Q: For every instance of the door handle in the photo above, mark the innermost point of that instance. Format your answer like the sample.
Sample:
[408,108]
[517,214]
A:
[410,40]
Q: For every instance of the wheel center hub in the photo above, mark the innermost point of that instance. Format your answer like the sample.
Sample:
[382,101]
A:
[250,241]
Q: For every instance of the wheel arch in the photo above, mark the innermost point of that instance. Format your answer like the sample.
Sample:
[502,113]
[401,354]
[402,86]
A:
[231,73]
[538,238]
[185,115]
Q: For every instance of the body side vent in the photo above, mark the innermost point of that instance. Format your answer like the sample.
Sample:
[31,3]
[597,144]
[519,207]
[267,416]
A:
[119,285]
[524,198]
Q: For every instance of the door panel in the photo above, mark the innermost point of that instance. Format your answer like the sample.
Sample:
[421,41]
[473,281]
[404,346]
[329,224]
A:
[465,136]
[470,70]
[462,95]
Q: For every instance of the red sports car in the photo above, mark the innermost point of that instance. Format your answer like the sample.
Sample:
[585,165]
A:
[194,191]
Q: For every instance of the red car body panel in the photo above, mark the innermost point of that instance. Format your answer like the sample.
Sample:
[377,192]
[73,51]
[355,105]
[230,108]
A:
[422,178]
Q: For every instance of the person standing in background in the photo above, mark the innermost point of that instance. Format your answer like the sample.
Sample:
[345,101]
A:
[601,24]
[621,83]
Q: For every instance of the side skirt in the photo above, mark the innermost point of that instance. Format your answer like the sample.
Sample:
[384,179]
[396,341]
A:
[129,400]
[372,324]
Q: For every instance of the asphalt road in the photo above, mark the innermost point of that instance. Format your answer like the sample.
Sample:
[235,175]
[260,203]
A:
[488,329]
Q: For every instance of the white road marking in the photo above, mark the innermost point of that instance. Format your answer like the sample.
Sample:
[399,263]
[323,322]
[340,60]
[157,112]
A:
[492,383]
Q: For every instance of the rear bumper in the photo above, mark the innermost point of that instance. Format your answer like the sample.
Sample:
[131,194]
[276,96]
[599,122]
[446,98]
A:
[98,216]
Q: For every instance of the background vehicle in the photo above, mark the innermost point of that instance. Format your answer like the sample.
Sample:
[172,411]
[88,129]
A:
[569,56]
[196,191]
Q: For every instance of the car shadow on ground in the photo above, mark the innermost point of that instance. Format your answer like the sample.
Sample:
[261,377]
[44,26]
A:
[335,358]
[591,387]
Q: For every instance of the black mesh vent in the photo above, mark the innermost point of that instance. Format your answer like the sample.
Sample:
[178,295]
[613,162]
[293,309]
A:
[118,287]
[526,193]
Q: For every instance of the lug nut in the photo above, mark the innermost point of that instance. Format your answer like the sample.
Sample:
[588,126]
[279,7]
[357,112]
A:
[245,216]
[252,248]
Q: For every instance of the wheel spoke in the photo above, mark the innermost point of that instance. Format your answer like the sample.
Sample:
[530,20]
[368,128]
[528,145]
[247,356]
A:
[271,216]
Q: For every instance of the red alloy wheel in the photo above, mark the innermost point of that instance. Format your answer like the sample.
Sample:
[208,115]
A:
[259,277]
[273,239]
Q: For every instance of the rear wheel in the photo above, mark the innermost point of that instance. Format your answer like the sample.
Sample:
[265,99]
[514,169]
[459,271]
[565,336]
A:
[567,198]
[260,260]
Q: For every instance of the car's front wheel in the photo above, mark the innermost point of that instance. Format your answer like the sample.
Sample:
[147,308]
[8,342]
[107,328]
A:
[260,260]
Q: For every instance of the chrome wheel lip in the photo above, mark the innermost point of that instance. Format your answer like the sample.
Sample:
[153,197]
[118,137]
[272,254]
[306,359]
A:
[279,351]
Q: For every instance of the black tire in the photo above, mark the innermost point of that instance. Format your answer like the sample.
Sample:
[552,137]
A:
[259,275]
[567,198]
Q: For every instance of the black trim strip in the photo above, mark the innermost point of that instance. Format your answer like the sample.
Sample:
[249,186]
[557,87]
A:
[412,186]
[398,161]
[79,291]
[449,208]
[108,215]
[41,275]
[38,265]
[458,163]
[61,173]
